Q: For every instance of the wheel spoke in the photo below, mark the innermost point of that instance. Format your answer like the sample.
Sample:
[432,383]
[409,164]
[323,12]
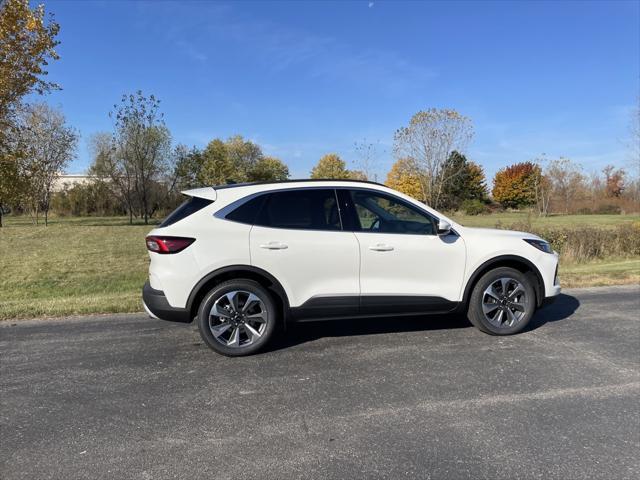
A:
[260,317]
[504,283]
[518,306]
[234,339]
[220,329]
[233,300]
[218,311]
[511,318]
[491,291]
[513,295]
[251,301]
[498,317]
[489,307]
[252,333]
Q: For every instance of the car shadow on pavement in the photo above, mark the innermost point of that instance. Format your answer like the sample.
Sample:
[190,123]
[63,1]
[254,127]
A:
[564,306]
[298,333]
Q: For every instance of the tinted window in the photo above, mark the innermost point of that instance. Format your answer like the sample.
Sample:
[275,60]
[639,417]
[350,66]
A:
[310,209]
[386,214]
[248,211]
[187,208]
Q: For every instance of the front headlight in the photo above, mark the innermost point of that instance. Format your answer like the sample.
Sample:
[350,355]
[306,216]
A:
[539,244]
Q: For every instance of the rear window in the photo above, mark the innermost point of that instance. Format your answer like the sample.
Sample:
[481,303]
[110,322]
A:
[187,208]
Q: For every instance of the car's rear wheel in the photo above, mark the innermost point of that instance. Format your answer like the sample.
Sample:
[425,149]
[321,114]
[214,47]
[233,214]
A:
[237,317]
[502,302]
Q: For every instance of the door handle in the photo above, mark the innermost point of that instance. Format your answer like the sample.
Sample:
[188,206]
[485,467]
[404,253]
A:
[274,246]
[381,247]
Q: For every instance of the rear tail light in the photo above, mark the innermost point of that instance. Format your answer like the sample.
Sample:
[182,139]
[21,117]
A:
[168,244]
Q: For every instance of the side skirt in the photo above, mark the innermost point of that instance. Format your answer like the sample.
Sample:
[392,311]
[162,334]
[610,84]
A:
[346,307]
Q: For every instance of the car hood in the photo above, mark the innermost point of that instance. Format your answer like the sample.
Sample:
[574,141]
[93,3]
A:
[498,233]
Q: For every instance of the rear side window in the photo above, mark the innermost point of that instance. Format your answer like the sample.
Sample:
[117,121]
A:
[308,209]
[248,211]
[187,208]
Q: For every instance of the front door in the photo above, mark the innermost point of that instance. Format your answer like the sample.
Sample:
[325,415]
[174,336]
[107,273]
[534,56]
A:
[405,265]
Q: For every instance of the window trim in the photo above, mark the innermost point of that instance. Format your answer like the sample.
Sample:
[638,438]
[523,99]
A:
[353,214]
[224,211]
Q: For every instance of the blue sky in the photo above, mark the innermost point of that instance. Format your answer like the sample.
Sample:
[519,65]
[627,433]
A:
[307,78]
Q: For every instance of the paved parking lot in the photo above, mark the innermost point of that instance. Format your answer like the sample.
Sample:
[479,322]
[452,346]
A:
[132,397]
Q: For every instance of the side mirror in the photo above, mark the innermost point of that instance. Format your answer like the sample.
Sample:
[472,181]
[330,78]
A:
[444,227]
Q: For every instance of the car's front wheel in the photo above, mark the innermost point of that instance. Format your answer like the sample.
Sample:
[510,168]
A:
[237,317]
[502,302]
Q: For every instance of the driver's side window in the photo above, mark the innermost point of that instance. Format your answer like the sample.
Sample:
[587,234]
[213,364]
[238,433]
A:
[376,212]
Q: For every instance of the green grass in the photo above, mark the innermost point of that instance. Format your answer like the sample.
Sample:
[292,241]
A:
[71,268]
[510,218]
[98,265]
[25,221]
[611,271]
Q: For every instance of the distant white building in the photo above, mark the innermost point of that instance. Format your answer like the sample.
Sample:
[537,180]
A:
[72,180]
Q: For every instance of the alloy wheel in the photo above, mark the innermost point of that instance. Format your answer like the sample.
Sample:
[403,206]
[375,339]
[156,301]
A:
[238,319]
[504,302]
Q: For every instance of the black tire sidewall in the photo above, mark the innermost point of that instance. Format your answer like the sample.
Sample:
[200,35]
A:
[476,316]
[225,287]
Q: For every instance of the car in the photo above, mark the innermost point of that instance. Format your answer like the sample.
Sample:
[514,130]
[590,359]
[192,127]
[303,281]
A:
[244,259]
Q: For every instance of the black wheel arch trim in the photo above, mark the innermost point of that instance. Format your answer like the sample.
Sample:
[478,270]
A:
[495,262]
[276,286]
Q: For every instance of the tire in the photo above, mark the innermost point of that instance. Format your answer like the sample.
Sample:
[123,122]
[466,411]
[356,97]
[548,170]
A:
[495,313]
[254,326]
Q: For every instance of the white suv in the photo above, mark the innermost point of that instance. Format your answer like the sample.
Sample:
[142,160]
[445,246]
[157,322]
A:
[244,258]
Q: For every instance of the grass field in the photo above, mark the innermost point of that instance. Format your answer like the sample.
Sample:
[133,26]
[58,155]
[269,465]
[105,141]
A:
[71,268]
[98,265]
[510,218]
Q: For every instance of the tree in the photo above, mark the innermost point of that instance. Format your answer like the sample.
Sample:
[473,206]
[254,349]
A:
[243,155]
[137,158]
[49,145]
[12,183]
[27,44]
[465,180]
[188,167]
[330,166]
[403,177]
[367,158]
[515,185]
[566,181]
[428,141]
[238,160]
[109,167]
[358,175]
[542,188]
[614,181]
[217,166]
[268,169]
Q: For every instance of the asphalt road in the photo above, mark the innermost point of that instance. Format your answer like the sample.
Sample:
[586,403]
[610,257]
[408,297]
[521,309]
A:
[131,397]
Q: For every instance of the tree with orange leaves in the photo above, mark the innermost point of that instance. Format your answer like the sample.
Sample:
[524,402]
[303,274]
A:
[515,185]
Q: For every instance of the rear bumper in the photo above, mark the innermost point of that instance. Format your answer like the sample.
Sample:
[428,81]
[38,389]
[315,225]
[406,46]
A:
[157,306]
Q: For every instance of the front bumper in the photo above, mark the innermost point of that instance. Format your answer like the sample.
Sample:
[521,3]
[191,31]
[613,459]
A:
[548,300]
[157,306]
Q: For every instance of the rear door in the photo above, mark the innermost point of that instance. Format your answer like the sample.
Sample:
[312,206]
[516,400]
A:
[298,238]
[405,265]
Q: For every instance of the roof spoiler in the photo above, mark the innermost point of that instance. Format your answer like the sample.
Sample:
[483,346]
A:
[208,193]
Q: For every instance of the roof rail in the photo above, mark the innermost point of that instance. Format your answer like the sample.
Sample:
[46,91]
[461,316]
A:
[270,182]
